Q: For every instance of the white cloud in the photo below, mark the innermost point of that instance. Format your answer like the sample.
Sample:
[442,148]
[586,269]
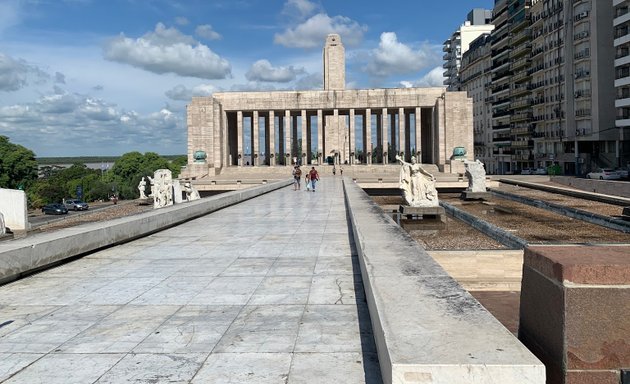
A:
[395,58]
[312,33]
[15,73]
[166,50]
[262,70]
[312,81]
[76,124]
[299,8]
[434,78]
[180,20]
[207,32]
[182,93]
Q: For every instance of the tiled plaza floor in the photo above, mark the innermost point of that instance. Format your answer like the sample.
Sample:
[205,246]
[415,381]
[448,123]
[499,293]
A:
[266,291]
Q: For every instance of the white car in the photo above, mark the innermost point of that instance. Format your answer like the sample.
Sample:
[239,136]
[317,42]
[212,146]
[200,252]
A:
[527,171]
[540,171]
[603,174]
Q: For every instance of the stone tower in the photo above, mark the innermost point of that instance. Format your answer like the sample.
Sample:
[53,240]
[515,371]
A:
[334,63]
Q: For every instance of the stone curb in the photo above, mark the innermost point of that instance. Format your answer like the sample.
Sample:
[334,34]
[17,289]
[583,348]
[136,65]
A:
[427,328]
[500,235]
[590,217]
[27,255]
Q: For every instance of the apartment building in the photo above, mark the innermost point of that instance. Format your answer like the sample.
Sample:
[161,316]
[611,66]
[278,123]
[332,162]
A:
[552,94]
[621,44]
[476,79]
[476,24]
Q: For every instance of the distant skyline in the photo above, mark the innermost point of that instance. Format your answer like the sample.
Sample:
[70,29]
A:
[102,78]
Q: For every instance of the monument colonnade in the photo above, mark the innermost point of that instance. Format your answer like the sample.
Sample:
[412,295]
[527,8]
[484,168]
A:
[349,125]
[301,135]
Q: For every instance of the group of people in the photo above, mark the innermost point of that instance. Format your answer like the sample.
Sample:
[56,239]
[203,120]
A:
[311,178]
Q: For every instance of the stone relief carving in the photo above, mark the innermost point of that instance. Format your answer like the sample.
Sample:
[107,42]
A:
[162,188]
[3,229]
[417,184]
[476,174]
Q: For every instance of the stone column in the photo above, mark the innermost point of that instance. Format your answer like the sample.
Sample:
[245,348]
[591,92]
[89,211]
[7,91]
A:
[334,140]
[418,121]
[402,130]
[304,137]
[239,137]
[271,123]
[351,139]
[287,137]
[255,139]
[225,145]
[320,137]
[367,136]
[384,126]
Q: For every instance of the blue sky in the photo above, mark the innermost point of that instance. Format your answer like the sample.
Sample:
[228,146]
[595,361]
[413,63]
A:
[105,77]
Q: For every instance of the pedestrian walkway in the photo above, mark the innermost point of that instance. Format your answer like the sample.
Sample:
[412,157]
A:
[266,291]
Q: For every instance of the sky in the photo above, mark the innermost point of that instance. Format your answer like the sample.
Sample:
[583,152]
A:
[107,77]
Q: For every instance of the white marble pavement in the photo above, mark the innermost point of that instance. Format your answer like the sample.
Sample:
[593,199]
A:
[266,291]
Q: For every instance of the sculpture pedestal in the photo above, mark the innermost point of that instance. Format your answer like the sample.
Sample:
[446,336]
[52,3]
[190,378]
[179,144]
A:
[469,195]
[421,217]
[145,201]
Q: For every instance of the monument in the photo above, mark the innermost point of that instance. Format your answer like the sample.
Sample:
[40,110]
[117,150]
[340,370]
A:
[476,174]
[352,126]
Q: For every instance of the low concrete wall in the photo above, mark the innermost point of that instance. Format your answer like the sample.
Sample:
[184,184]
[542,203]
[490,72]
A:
[607,187]
[447,336]
[13,207]
[28,254]
[589,217]
[611,198]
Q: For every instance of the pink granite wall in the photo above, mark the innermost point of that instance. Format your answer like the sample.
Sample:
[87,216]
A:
[575,311]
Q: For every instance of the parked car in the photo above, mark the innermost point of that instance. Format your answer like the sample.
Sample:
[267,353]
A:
[527,171]
[540,171]
[603,174]
[76,205]
[623,173]
[54,209]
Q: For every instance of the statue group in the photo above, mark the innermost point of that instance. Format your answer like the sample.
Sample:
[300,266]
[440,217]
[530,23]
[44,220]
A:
[417,185]
[164,189]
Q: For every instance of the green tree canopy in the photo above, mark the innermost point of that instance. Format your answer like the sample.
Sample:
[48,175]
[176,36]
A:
[18,168]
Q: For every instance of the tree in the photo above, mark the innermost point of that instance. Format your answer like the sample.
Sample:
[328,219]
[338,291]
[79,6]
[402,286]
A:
[127,171]
[18,167]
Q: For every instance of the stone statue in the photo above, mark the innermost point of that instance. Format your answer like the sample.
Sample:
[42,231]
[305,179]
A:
[162,188]
[191,192]
[152,182]
[476,174]
[417,184]
[141,188]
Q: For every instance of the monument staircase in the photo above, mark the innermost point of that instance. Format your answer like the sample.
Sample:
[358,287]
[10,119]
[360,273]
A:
[375,176]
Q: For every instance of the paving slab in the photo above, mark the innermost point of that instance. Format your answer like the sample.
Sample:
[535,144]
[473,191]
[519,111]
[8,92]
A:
[264,291]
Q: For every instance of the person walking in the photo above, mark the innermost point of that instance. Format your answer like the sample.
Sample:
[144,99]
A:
[334,170]
[297,177]
[314,177]
[307,180]
[340,170]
